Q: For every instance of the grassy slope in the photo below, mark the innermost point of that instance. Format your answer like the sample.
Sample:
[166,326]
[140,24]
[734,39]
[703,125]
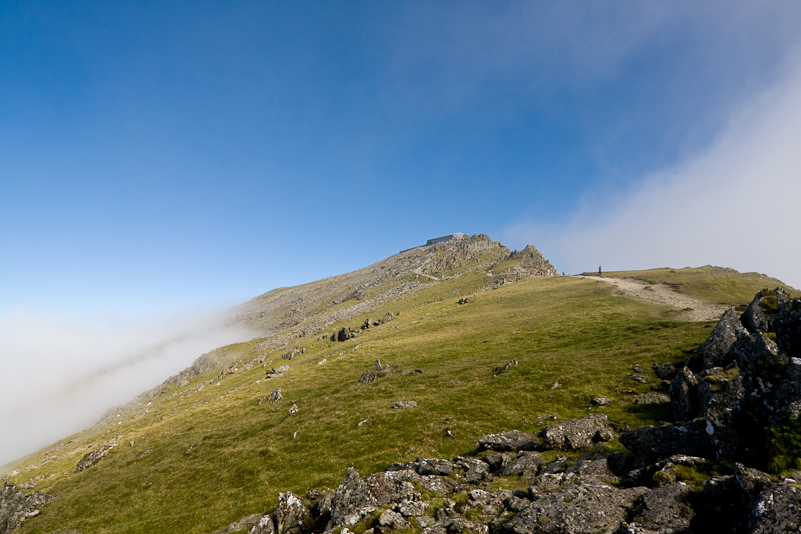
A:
[217,455]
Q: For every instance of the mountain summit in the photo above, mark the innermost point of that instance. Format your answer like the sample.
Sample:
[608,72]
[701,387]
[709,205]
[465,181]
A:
[307,308]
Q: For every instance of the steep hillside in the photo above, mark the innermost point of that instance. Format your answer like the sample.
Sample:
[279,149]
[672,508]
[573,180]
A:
[307,308]
[440,345]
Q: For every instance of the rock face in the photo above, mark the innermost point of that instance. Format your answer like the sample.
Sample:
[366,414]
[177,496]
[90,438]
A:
[747,380]
[290,515]
[352,500]
[716,348]
[16,506]
[379,371]
[578,433]
[265,525]
[664,509]
[344,334]
[508,441]
[652,444]
[275,396]
[581,509]
[95,455]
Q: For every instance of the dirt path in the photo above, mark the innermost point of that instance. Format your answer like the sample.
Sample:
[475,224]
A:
[697,309]
[420,273]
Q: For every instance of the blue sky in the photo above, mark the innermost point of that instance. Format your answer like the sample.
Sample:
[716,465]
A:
[165,155]
[165,158]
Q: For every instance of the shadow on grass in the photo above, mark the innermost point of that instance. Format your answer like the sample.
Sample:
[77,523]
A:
[653,412]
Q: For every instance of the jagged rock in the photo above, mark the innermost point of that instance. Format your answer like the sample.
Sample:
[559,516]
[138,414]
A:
[95,455]
[651,398]
[322,504]
[275,373]
[294,409]
[434,466]
[557,466]
[515,504]
[787,326]
[508,441]
[411,508]
[716,350]
[402,466]
[526,463]
[755,349]
[368,376]
[475,469]
[424,522]
[665,371]
[502,369]
[652,444]
[602,401]
[291,513]
[352,500]
[664,509]
[720,406]
[369,323]
[407,472]
[480,496]
[776,509]
[246,523]
[580,509]
[556,476]
[264,525]
[757,316]
[345,333]
[720,506]
[767,388]
[752,481]
[684,395]
[392,486]
[393,520]
[275,396]
[498,460]
[594,467]
[371,375]
[16,506]
[577,433]
[402,405]
[458,525]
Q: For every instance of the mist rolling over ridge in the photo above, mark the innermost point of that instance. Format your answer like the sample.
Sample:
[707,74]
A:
[61,374]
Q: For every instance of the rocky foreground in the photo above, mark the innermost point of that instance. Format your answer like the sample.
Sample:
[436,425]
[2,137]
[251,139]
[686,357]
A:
[737,416]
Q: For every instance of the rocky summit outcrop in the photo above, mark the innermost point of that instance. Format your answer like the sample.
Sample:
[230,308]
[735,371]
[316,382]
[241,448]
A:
[742,396]
[16,506]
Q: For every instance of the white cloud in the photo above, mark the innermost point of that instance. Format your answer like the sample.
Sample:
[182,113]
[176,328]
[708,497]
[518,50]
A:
[61,374]
[733,205]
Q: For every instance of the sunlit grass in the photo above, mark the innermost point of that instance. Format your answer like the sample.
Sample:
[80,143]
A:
[217,454]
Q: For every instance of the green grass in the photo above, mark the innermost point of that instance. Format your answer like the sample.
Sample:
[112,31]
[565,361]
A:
[216,455]
[715,284]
